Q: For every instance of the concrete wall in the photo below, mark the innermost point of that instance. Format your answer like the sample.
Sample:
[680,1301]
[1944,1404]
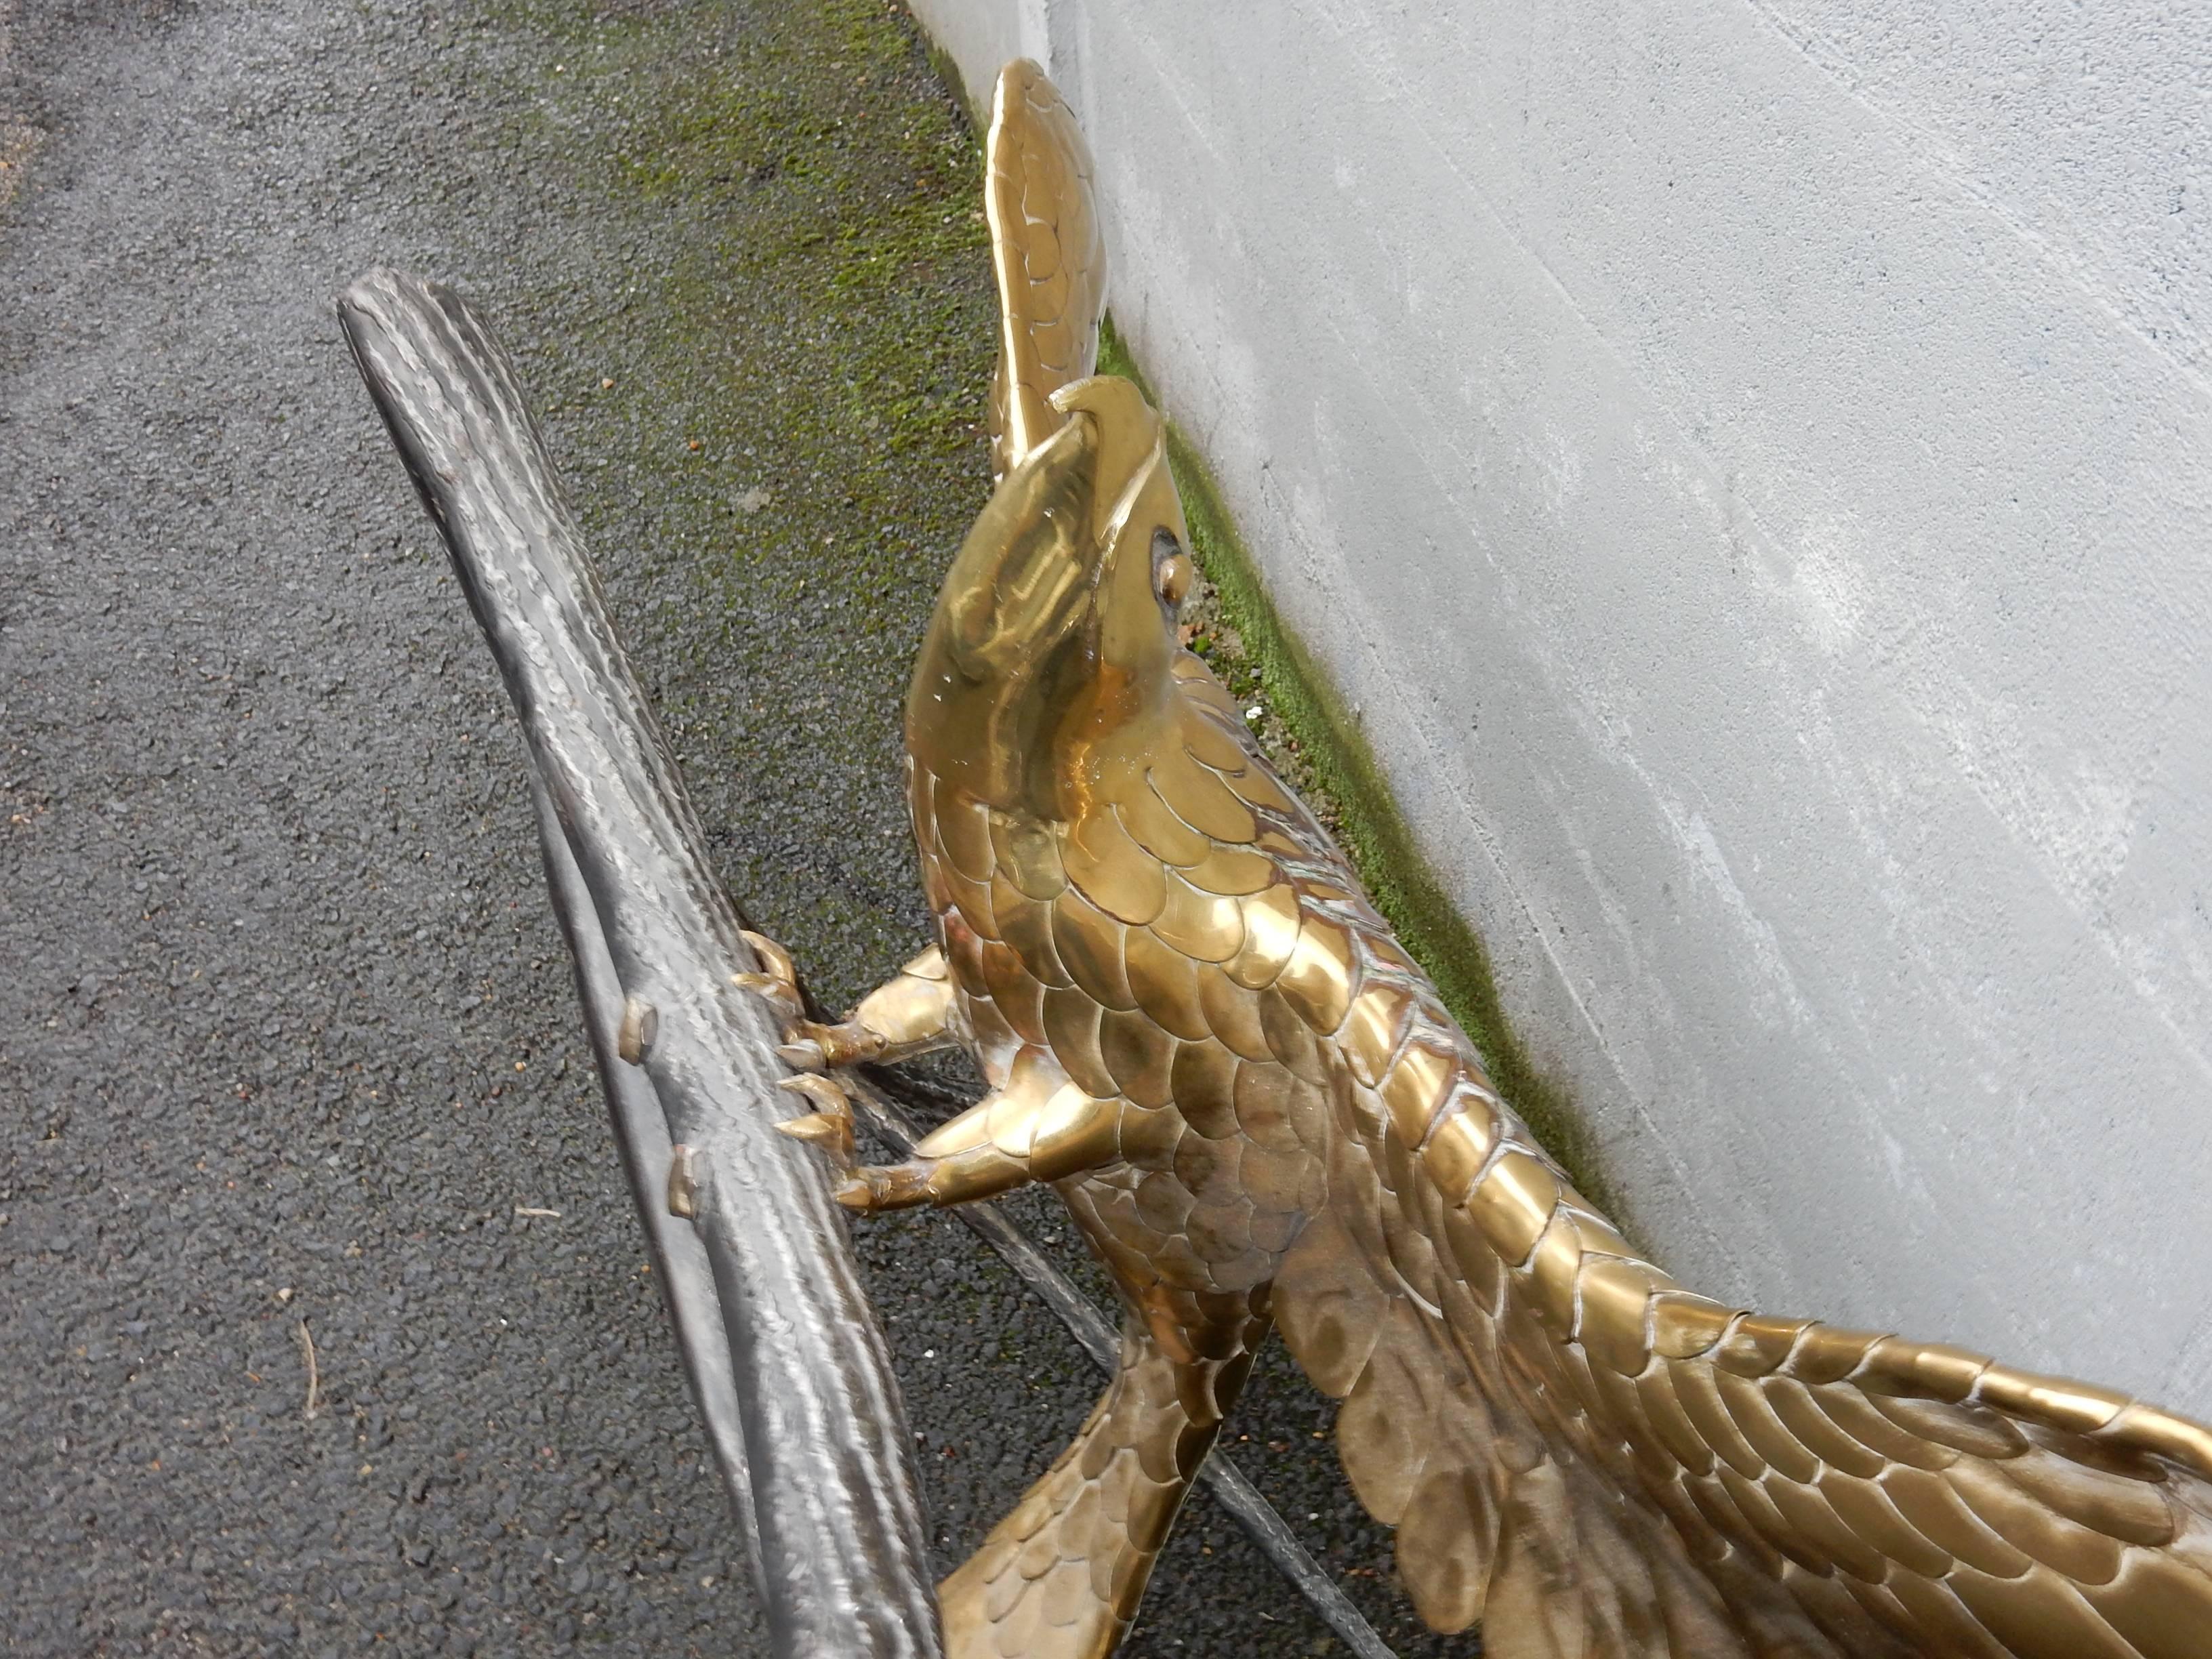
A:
[1750,463]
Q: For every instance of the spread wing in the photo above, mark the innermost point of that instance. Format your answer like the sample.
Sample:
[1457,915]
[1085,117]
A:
[1049,254]
[1593,1462]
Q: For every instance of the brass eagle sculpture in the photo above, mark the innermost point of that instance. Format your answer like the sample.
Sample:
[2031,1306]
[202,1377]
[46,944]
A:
[1195,1026]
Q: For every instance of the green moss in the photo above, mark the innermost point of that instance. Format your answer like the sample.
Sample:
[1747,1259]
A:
[759,318]
[978,110]
[1326,756]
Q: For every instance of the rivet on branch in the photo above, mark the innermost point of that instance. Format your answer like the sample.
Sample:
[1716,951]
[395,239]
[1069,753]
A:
[640,1022]
[683,1183]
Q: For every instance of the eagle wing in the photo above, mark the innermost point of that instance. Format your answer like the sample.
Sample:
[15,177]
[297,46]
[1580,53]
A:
[1049,254]
[1593,1461]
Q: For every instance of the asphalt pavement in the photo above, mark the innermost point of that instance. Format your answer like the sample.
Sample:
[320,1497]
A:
[325,1325]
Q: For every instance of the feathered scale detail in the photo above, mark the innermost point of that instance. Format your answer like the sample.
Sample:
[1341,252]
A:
[1580,1455]
[1591,1461]
[1050,256]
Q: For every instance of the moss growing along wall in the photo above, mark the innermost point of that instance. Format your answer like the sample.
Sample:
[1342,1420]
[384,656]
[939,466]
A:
[1320,747]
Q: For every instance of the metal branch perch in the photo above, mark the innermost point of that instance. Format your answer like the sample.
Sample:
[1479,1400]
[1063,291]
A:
[786,1358]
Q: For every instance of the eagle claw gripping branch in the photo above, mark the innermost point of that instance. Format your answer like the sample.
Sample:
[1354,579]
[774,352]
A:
[1197,1028]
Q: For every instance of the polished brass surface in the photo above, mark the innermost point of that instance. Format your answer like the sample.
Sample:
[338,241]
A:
[1259,1112]
[1049,257]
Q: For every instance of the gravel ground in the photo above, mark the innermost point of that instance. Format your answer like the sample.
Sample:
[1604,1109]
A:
[288,1050]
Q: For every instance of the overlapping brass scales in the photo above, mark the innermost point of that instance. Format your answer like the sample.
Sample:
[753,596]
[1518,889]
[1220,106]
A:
[1050,255]
[1562,1434]
[1064,1572]
[1135,975]
[1591,1460]
[1574,1449]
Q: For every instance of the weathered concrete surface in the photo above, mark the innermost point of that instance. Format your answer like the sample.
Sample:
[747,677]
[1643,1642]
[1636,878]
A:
[1750,466]
[286,1030]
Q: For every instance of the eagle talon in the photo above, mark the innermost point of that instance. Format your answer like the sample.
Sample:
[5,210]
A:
[777,985]
[807,1046]
[871,1188]
[829,1125]
[774,957]
[804,1054]
[864,1187]
[779,995]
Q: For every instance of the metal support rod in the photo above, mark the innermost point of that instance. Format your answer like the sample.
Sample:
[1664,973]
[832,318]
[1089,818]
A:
[784,1353]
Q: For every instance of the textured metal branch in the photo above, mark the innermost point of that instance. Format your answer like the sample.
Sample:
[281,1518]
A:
[785,1356]
[1242,1500]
